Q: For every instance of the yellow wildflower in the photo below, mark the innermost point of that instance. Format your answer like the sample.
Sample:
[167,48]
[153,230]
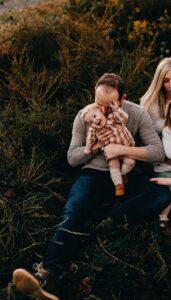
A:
[137,9]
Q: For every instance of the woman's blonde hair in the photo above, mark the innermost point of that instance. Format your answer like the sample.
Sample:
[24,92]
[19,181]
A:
[154,99]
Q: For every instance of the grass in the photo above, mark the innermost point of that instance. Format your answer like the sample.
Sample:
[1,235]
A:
[48,68]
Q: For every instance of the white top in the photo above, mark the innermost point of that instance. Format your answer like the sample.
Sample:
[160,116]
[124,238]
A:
[166,139]
[159,125]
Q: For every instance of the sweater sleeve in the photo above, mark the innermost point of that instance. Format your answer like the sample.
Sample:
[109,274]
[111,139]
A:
[150,138]
[76,155]
[166,138]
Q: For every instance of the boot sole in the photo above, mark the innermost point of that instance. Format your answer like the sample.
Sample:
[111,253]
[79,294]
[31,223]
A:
[28,285]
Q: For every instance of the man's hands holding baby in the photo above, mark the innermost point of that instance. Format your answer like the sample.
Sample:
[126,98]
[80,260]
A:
[113,150]
[103,135]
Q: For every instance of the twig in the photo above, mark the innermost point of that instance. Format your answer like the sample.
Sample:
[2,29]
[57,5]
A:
[114,259]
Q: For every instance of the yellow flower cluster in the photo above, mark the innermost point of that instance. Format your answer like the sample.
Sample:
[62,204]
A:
[116,3]
[142,29]
[164,21]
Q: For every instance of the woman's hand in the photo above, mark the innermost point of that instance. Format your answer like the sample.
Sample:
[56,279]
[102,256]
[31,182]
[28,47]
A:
[103,135]
[113,150]
[162,181]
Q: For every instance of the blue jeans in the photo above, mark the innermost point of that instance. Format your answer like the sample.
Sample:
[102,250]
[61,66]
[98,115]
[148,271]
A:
[92,189]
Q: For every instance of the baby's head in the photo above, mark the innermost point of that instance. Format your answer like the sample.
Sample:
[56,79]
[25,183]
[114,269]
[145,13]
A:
[95,118]
[109,89]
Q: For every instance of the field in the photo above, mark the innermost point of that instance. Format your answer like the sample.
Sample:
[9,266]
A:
[49,64]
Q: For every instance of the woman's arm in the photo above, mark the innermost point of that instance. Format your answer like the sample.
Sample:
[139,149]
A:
[162,181]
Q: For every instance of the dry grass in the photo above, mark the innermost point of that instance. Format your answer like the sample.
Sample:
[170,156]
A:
[10,20]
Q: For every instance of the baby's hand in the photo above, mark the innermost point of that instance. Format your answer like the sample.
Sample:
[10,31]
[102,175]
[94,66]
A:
[88,152]
[114,106]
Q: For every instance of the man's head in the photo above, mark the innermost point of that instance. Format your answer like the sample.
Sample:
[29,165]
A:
[110,88]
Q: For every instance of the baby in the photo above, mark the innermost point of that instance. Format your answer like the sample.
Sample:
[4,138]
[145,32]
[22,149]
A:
[115,118]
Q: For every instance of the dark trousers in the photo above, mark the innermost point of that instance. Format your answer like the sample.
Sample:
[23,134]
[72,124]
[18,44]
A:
[143,199]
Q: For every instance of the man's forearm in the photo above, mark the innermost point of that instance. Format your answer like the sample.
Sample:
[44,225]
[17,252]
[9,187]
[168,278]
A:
[76,156]
[149,153]
[138,153]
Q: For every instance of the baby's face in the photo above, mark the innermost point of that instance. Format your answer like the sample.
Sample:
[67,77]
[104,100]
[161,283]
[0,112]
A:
[95,118]
[106,95]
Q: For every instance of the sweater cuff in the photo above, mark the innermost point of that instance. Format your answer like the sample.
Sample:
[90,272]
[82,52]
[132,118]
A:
[155,154]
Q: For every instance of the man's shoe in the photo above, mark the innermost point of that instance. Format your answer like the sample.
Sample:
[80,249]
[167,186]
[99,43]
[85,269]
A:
[40,286]
[119,190]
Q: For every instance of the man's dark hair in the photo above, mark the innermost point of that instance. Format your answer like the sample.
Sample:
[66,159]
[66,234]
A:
[113,80]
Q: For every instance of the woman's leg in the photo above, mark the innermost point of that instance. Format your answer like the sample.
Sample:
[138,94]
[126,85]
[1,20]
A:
[166,211]
[164,214]
[143,199]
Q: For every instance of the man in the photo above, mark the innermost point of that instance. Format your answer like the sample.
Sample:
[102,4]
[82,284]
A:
[142,199]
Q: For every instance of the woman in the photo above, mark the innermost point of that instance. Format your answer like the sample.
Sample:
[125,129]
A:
[157,101]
